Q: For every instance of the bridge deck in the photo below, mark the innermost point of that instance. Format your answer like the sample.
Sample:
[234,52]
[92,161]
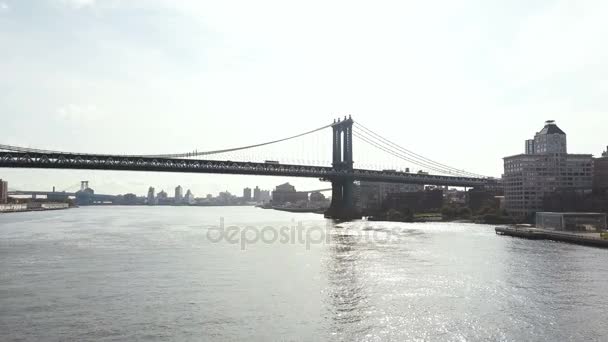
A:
[131,163]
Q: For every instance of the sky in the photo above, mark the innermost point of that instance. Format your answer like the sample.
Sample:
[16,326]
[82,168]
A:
[460,82]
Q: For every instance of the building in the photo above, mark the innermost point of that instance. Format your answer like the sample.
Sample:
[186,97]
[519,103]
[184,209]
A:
[545,168]
[256,194]
[265,196]
[247,194]
[3,192]
[372,194]
[600,174]
[551,139]
[189,198]
[179,194]
[151,196]
[571,221]
[286,193]
[85,196]
[418,201]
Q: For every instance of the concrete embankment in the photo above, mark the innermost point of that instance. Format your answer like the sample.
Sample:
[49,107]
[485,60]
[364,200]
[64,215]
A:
[587,239]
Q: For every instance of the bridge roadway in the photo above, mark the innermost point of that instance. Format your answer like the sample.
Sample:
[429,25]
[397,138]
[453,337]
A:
[133,163]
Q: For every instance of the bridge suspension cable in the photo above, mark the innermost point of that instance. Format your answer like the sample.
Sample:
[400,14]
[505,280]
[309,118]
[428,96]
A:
[13,148]
[394,149]
[399,155]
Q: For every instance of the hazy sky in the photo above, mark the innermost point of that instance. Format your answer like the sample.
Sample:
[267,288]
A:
[461,82]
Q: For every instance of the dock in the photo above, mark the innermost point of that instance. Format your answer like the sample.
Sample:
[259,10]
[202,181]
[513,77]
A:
[594,239]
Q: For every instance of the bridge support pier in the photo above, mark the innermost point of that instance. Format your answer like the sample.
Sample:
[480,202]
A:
[342,195]
[342,201]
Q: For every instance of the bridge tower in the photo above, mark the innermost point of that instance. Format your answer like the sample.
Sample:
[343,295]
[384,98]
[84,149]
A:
[342,188]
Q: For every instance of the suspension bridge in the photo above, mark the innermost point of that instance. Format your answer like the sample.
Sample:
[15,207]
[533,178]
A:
[340,172]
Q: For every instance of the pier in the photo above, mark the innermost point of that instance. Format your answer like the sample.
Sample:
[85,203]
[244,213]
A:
[595,239]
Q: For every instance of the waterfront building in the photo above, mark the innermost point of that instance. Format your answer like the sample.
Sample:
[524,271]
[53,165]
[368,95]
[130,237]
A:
[179,194]
[3,192]
[247,194]
[571,221]
[286,193]
[545,168]
[151,196]
[416,201]
[162,195]
[372,194]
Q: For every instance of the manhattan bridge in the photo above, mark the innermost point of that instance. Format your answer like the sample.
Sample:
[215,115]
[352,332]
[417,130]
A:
[340,170]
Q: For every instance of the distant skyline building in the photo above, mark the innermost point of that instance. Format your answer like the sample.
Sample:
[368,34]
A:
[151,196]
[3,191]
[247,194]
[256,194]
[265,196]
[189,197]
[543,169]
[179,194]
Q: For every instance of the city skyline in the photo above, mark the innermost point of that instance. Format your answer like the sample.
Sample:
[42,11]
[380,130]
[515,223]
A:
[135,78]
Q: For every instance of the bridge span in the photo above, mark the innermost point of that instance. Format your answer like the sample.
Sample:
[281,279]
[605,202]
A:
[341,173]
[34,160]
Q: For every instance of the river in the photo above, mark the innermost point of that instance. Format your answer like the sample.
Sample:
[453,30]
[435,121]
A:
[243,273]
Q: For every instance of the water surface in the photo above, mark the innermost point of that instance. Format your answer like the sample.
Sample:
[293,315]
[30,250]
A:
[152,273]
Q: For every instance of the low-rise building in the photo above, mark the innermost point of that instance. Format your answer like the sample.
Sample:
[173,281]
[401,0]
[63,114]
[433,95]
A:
[286,193]
[371,195]
[419,201]
[571,221]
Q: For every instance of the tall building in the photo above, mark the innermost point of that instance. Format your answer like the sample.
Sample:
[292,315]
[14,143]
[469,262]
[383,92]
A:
[179,194]
[256,194]
[551,139]
[3,192]
[600,174]
[545,168]
[247,194]
[151,196]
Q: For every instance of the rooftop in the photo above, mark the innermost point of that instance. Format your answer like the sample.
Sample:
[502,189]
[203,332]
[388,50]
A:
[551,128]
